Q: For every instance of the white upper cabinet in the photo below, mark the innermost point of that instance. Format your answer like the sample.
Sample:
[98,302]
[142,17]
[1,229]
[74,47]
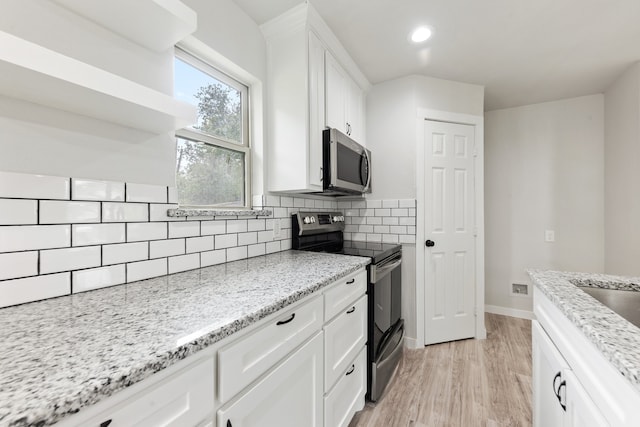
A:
[298,43]
[155,24]
[344,101]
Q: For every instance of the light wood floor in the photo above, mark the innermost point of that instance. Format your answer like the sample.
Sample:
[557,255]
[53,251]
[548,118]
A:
[461,383]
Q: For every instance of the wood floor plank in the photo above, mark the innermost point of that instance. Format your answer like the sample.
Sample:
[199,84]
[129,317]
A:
[462,383]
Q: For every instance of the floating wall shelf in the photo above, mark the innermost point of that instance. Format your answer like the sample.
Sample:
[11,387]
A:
[155,24]
[39,75]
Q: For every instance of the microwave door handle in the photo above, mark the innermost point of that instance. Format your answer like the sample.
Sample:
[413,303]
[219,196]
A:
[366,155]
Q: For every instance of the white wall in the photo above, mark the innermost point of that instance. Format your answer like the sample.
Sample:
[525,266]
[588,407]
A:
[392,108]
[622,174]
[45,141]
[544,170]
[391,126]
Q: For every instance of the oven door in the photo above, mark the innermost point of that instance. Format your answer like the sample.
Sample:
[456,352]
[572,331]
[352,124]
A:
[346,164]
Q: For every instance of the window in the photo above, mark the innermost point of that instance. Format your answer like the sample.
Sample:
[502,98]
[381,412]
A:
[213,156]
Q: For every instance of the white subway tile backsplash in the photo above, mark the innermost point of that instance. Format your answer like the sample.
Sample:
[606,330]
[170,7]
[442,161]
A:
[398,229]
[97,234]
[367,212]
[359,236]
[358,204]
[172,195]
[256,250]
[344,204]
[28,186]
[298,202]
[352,212]
[365,228]
[272,201]
[213,227]
[412,212]
[18,264]
[199,244]
[63,212]
[390,220]
[96,278]
[389,203]
[286,202]
[125,212]
[285,244]
[184,229]
[373,237]
[407,221]
[158,212]
[125,252]
[373,204]
[19,291]
[389,238]
[18,211]
[236,253]
[265,236]
[281,212]
[15,238]
[400,212]
[57,260]
[146,231]
[411,230]
[319,204]
[382,212]
[184,263]
[146,193]
[374,220]
[146,269]
[406,203]
[226,241]
[249,238]
[381,229]
[89,189]
[165,248]
[237,226]
[255,225]
[273,247]
[309,204]
[213,257]
[404,238]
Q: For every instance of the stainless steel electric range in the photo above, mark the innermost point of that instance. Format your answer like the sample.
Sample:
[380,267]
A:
[323,232]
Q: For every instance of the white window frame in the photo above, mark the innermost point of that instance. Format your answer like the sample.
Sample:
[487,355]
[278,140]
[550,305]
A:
[201,137]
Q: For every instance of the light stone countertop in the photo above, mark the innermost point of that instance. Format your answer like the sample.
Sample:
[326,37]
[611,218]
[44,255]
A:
[617,339]
[60,355]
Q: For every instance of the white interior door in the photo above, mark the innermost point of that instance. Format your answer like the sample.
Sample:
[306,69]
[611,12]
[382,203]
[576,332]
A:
[449,232]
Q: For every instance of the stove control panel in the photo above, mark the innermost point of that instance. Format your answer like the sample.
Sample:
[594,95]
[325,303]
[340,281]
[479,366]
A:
[318,222]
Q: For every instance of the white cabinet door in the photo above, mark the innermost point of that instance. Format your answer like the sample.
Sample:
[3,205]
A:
[347,397]
[355,113]
[581,411]
[316,108]
[337,87]
[548,365]
[288,396]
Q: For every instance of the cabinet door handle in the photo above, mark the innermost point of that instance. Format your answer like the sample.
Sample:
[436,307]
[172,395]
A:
[562,385]
[106,423]
[353,367]
[350,282]
[284,322]
[351,310]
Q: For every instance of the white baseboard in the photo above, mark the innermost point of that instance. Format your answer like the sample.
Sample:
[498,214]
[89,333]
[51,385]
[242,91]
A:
[505,311]
[411,343]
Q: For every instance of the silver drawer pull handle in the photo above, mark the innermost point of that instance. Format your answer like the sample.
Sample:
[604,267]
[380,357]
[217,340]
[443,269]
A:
[284,322]
[351,310]
[353,367]
[350,281]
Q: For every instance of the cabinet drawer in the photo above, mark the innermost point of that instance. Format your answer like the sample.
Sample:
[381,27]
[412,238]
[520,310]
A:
[341,404]
[344,337]
[290,395]
[186,398]
[343,293]
[243,361]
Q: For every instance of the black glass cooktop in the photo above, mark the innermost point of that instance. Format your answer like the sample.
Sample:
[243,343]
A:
[374,250]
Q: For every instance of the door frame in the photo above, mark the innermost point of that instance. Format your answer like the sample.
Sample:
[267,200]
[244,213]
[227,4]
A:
[478,123]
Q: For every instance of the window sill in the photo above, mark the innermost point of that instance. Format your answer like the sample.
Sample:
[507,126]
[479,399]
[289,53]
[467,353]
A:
[217,212]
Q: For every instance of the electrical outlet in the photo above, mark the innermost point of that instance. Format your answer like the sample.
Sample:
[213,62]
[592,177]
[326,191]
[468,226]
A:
[520,289]
[549,236]
[276,228]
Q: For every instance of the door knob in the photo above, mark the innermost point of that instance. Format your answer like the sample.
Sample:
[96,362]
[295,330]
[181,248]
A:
[430,243]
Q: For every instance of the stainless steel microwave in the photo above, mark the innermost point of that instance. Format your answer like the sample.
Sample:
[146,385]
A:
[346,165]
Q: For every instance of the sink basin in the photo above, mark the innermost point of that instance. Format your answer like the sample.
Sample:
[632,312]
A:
[625,303]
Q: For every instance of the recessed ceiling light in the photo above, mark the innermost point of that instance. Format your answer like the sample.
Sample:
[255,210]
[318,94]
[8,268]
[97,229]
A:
[420,34]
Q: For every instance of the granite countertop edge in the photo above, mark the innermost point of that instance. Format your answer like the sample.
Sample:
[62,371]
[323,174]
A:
[96,389]
[617,339]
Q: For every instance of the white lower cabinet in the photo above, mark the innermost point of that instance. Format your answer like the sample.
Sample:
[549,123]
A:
[347,397]
[289,396]
[184,399]
[559,399]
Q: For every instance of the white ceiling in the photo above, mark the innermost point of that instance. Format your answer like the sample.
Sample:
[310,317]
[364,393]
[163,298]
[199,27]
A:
[522,51]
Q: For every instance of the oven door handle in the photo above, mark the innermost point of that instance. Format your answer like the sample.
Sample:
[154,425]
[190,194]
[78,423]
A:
[379,273]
